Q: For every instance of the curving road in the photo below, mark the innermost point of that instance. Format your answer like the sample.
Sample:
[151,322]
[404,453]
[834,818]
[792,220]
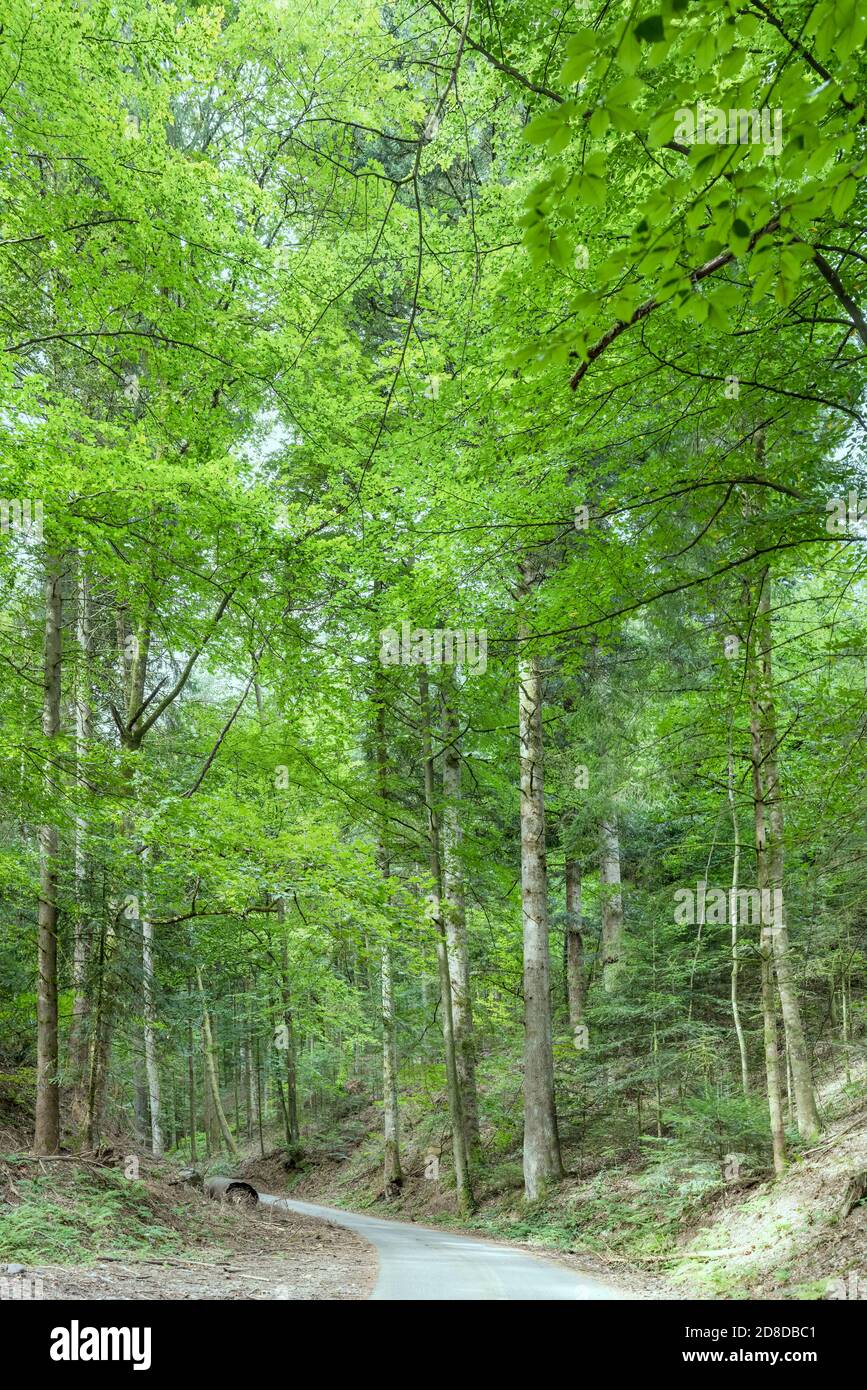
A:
[417,1262]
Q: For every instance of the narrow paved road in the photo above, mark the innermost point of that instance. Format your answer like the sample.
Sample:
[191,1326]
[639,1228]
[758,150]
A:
[416,1262]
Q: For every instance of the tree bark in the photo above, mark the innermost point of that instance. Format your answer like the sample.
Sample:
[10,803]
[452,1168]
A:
[459,1144]
[100,1050]
[46,1139]
[78,1039]
[392,1175]
[733,917]
[612,901]
[454,916]
[211,1073]
[191,1079]
[574,948]
[769,1014]
[796,1043]
[542,1162]
[151,1064]
[292,1127]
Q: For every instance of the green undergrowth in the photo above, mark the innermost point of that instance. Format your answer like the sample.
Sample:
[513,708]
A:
[76,1218]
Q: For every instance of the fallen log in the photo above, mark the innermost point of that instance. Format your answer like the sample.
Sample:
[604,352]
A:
[234,1190]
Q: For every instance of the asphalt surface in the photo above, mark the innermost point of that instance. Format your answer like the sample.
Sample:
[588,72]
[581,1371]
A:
[419,1263]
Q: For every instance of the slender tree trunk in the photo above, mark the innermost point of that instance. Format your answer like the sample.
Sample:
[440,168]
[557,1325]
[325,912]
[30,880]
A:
[612,900]
[140,1105]
[251,1089]
[454,916]
[769,1013]
[211,1072]
[845,1024]
[393,1176]
[574,949]
[393,1179]
[802,1077]
[459,1144]
[191,1080]
[542,1162]
[259,1097]
[207,1119]
[101,1037]
[291,1109]
[46,1139]
[78,1039]
[151,1064]
[733,918]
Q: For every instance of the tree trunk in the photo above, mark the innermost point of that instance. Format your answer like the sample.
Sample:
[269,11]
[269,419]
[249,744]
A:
[733,917]
[151,1065]
[46,1139]
[796,1043]
[769,1014]
[78,1039]
[292,1127]
[100,1050]
[191,1080]
[258,1059]
[211,1073]
[459,1144]
[140,1103]
[574,949]
[454,916]
[612,901]
[251,1088]
[542,1162]
[392,1176]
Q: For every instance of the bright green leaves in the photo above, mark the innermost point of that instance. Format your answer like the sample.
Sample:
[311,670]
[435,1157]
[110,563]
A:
[621,104]
[739,236]
[627,55]
[581,49]
[552,128]
[560,191]
[713,128]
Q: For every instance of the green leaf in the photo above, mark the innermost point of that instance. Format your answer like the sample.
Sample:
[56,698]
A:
[541,128]
[628,54]
[599,122]
[624,93]
[739,236]
[843,196]
[651,30]
[574,68]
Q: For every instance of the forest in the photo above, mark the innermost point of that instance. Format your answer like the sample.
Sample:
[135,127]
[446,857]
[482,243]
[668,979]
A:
[433,653]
